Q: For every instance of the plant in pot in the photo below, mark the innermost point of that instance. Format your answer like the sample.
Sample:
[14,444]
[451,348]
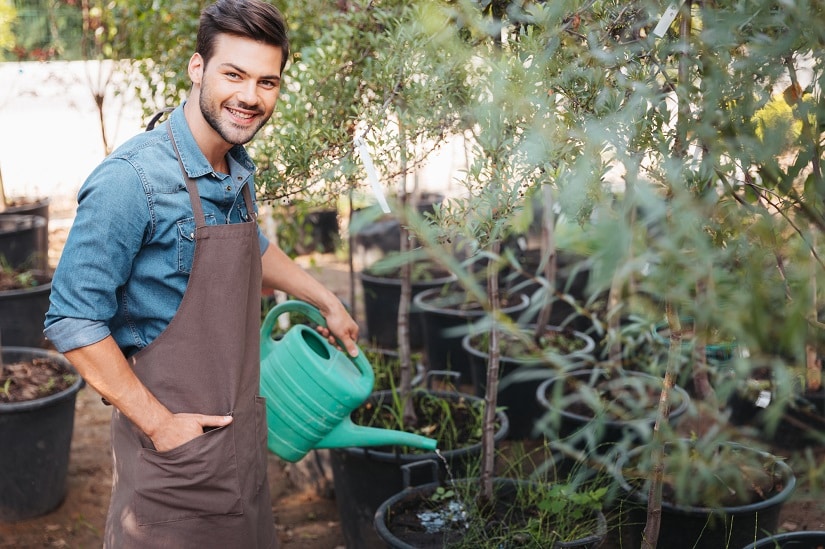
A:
[24,300]
[24,236]
[716,493]
[37,399]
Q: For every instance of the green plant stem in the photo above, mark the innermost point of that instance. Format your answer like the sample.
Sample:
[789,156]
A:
[491,395]
[650,536]
[548,245]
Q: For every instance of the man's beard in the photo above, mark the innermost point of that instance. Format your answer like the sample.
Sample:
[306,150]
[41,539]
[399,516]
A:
[228,131]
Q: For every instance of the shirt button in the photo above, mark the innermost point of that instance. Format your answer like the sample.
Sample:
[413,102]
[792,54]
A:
[228,188]
[240,178]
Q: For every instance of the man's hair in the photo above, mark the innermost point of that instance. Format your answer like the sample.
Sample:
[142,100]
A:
[253,19]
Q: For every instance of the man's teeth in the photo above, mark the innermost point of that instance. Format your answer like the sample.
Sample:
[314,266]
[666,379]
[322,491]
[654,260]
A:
[240,114]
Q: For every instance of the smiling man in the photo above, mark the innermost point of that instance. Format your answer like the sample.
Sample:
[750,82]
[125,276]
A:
[156,299]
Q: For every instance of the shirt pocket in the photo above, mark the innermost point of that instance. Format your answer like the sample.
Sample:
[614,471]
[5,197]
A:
[186,241]
[196,479]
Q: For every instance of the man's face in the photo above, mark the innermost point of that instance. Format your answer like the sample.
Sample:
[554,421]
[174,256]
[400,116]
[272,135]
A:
[239,87]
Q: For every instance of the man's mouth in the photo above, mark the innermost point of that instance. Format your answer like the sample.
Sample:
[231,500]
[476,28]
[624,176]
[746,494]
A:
[241,115]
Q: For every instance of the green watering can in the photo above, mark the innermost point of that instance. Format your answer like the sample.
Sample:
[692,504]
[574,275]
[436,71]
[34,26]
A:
[311,388]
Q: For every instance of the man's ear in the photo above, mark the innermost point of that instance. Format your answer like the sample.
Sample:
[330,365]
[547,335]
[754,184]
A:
[196,66]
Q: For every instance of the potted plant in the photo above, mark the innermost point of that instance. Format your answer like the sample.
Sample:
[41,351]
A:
[382,299]
[527,512]
[366,477]
[37,398]
[524,365]
[717,494]
[24,300]
[594,415]
[24,237]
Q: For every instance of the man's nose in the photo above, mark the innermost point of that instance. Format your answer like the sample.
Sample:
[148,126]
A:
[248,93]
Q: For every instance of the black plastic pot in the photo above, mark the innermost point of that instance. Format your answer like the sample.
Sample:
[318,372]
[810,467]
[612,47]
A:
[382,296]
[521,377]
[600,436]
[503,488]
[572,279]
[446,322]
[374,239]
[21,241]
[791,540]
[22,312]
[687,526]
[35,437]
[366,477]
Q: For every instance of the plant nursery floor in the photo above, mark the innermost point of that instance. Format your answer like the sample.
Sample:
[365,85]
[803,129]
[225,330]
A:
[304,519]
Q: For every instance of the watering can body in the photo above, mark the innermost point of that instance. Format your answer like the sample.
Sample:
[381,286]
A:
[311,388]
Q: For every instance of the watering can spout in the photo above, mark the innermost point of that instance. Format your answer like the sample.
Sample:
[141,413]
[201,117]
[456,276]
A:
[347,434]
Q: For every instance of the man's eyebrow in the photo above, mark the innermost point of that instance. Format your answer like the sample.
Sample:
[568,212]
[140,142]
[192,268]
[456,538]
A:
[239,70]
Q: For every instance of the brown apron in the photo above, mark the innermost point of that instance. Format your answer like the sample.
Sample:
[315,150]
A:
[213,490]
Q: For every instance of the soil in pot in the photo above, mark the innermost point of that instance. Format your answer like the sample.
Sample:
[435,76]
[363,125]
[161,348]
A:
[521,514]
[38,377]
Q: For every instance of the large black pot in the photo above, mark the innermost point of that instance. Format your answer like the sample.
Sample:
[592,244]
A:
[791,540]
[382,296]
[600,434]
[21,242]
[38,207]
[505,488]
[446,322]
[572,279]
[365,477]
[381,236]
[22,312]
[35,437]
[520,378]
[689,526]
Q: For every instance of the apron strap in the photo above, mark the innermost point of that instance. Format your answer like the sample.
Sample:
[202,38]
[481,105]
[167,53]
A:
[191,186]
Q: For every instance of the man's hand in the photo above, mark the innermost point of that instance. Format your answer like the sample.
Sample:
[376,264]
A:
[341,326]
[181,428]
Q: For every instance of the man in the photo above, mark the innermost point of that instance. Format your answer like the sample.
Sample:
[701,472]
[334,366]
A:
[156,299]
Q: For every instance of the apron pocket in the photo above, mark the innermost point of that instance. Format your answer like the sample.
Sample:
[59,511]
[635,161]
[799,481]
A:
[197,479]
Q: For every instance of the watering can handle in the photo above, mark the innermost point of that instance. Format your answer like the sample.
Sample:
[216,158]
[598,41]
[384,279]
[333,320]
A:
[313,314]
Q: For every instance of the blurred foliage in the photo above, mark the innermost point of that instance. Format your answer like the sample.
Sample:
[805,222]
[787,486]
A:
[7,16]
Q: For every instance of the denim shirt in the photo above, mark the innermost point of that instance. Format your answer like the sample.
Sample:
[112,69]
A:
[125,265]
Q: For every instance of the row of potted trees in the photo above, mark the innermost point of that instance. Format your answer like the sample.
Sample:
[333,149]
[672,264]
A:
[38,387]
[673,245]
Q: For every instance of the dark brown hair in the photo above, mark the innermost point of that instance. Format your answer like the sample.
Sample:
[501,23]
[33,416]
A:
[253,19]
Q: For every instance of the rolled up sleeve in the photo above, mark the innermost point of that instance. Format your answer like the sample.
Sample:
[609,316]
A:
[72,333]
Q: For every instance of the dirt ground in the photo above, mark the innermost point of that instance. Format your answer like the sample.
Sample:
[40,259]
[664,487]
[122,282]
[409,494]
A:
[304,519]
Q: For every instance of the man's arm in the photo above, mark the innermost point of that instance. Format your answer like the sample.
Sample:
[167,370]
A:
[280,272]
[104,367]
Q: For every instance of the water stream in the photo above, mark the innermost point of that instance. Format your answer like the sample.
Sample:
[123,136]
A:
[452,515]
